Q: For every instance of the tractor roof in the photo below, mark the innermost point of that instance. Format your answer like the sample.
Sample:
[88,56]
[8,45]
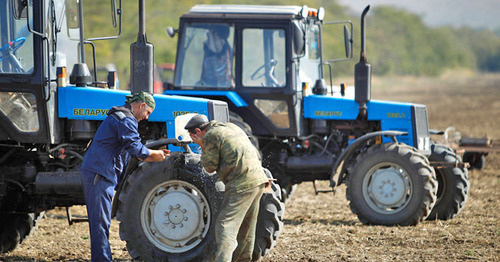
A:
[249,12]
[246,9]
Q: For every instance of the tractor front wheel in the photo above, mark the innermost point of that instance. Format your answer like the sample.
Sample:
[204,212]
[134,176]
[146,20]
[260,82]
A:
[391,184]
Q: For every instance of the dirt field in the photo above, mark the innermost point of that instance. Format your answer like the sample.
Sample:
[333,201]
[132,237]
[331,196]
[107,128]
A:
[322,228]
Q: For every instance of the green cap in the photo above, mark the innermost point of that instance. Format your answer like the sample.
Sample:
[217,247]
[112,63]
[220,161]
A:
[144,97]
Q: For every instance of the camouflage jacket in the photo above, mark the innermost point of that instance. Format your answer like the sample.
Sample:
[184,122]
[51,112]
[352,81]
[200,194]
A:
[227,149]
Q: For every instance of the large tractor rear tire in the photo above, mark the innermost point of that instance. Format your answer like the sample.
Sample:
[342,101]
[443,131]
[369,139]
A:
[14,228]
[391,184]
[453,184]
[270,221]
[167,211]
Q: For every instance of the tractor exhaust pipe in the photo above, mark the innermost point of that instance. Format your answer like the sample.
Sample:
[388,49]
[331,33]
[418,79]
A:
[80,74]
[362,73]
[141,57]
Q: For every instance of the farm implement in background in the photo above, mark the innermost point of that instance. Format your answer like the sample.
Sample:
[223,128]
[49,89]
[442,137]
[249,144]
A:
[473,149]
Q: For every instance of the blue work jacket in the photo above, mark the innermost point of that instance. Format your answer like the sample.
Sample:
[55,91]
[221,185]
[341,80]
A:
[116,140]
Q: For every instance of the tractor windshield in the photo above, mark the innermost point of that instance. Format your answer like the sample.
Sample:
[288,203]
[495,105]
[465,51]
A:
[16,42]
[205,56]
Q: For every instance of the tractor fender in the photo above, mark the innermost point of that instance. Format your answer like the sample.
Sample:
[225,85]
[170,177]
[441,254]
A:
[134,163]
[340,166]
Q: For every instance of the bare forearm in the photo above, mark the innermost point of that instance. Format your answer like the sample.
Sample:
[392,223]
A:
[157,155]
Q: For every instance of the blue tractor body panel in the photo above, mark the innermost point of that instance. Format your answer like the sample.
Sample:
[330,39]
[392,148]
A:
[392,115]
[87,103]
[230,95]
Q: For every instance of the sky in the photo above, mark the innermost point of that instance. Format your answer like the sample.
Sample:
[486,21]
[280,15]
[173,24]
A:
[480,14]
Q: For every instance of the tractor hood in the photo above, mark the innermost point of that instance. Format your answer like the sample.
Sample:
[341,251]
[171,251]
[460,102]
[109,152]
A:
[406,117]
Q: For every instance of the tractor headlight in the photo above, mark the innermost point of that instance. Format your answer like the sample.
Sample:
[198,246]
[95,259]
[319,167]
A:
[421,129]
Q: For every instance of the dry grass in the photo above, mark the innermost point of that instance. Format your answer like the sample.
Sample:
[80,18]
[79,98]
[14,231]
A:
[322,228]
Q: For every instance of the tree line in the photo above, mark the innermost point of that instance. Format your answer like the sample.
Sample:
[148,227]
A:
[398,42]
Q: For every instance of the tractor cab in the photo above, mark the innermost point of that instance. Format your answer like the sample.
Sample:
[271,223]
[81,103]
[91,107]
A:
[259,59]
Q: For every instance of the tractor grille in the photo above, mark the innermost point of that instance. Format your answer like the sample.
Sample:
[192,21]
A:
[421,129]
[218,110]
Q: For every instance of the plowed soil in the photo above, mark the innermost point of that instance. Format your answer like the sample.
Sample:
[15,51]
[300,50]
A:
[322,227]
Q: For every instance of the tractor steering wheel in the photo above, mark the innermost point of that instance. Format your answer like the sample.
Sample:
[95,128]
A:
[14,45]
[256,74]
[7,51]
[269,74]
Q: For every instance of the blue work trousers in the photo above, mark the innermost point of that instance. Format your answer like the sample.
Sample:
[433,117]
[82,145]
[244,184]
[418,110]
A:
[98,196]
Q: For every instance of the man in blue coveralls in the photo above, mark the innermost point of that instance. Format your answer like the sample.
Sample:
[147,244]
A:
[116,140]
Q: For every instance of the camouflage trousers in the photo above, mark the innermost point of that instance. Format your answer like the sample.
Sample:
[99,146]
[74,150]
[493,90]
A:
[236,224]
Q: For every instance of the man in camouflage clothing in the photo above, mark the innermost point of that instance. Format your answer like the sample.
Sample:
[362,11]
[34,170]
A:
[227,150]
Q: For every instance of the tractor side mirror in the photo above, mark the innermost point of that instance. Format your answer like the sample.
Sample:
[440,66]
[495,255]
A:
[299,42]
[171,31]
[114,13]
[347,42]
[337,27]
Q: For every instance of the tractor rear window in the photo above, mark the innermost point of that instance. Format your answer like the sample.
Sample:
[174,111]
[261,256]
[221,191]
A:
[264,57]
[205,56]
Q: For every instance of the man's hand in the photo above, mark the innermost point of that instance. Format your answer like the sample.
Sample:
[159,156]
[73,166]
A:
[157,155]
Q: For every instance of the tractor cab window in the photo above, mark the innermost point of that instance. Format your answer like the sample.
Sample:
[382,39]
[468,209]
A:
[21,109]
[310,64]
[16,42]
[264,57]
[313,43]
[275,110]
[205,56]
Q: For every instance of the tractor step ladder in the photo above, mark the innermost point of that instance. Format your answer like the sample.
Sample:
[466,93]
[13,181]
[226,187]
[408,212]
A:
[316,191]
[72,219]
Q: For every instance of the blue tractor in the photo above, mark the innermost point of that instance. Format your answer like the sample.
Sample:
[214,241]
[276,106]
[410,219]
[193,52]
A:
[167,209]
[267,63]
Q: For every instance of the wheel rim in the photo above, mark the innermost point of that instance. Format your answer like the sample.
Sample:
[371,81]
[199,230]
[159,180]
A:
[387,188]
[175,216]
